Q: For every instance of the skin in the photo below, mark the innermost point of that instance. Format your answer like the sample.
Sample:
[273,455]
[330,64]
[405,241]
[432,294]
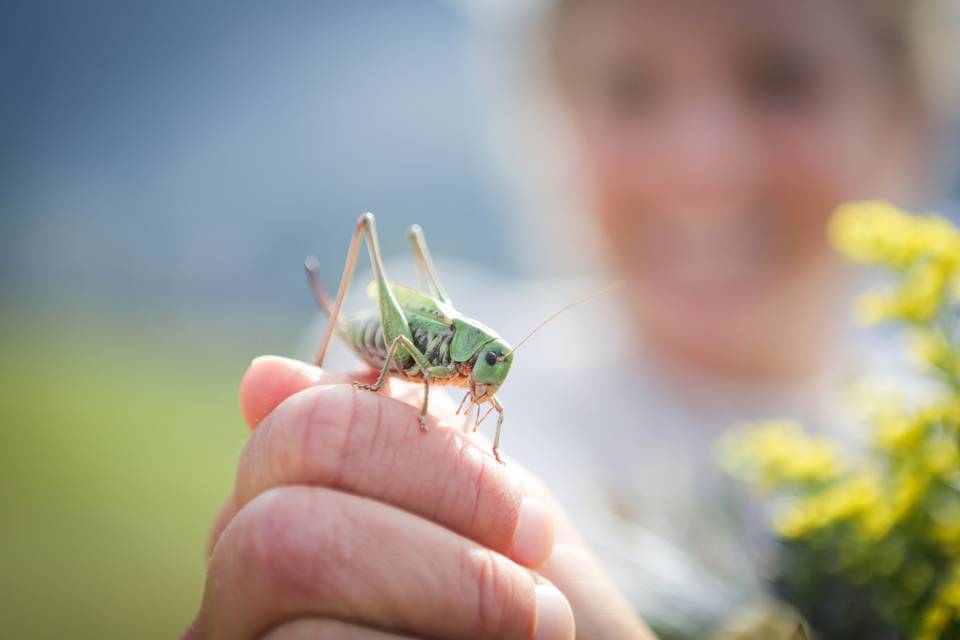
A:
[715,141]
[714,147]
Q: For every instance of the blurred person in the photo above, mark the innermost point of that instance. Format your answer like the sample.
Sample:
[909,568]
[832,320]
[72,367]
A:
[712,141]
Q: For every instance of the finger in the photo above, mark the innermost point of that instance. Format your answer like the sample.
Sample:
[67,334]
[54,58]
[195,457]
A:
[316,629]
[313,552]
[565,531]
[602,610]
[224,515]
[271,379]
[370,445]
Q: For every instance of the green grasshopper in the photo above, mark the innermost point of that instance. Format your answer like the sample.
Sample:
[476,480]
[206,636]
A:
[416,335]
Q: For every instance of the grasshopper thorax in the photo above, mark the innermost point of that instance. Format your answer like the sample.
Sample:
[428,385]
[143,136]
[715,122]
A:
[490,369]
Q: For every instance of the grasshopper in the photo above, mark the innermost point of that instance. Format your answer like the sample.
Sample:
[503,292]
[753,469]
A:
[416,335]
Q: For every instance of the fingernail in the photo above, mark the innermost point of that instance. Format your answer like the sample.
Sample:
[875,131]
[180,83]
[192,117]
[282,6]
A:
[554,615]
[533,541]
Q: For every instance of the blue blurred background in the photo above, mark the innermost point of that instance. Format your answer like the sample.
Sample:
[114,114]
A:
[164,169]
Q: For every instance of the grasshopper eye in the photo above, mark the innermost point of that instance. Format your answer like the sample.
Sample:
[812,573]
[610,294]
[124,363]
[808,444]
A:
[490,358]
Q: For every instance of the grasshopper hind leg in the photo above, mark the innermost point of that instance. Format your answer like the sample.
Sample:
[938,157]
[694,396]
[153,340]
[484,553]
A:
[428,273]
[391,315]
[396,329]
[364,222]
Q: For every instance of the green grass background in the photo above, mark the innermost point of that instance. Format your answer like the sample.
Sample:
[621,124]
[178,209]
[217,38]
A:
[118,443]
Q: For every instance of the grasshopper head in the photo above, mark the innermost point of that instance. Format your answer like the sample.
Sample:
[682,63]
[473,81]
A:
[491,369]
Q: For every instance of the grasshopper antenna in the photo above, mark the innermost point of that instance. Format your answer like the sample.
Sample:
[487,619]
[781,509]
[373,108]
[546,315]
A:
[587,298]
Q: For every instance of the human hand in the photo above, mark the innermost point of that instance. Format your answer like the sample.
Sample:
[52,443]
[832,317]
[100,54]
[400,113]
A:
[347,521]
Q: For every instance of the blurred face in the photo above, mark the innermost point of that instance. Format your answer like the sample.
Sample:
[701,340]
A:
[717,137]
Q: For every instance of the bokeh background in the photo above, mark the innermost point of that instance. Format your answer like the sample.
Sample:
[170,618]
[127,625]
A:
[164,169]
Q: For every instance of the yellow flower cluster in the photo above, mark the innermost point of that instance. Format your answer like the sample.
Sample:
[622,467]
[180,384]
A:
[945,607]
[903,435]
[933,348]
[868,502]
[853,498]
[889,518]
[779,453]
[925,250]
[910,452]
[873,232]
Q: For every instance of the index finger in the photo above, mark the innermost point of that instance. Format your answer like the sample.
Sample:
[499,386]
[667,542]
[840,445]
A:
[271,379]
[370,445]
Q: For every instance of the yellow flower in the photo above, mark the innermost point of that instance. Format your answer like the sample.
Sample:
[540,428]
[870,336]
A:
[919,296]
[778,453]
[925,249]
[873,232]
[899,433]
[945,527]
[888,517]
[933,348]
[941,456]
[847,500]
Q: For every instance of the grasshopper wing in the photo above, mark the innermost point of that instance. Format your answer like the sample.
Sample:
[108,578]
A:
[417,303]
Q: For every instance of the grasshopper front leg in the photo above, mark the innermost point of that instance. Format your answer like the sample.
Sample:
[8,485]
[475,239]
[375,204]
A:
[429,372]
[494,406]
[496,439]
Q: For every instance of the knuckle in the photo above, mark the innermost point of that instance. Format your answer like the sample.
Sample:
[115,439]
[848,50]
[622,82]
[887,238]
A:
[323,433]
[288,539]
[363,442]
[482,573]
[501,609]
